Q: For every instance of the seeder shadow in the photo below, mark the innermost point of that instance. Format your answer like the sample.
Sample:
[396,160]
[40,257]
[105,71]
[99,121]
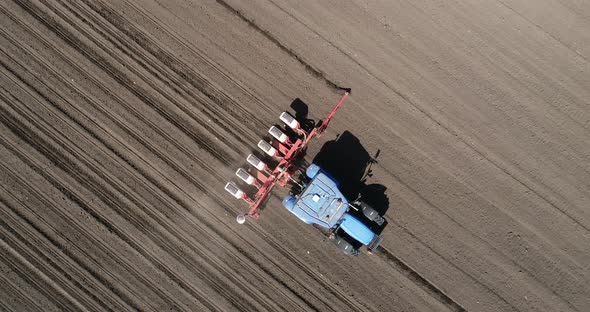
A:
[301,112]
[349,163]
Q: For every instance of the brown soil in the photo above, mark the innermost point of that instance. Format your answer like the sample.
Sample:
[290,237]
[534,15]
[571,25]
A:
[120,122]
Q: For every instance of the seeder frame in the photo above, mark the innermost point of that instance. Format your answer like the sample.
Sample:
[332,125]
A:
[281,173]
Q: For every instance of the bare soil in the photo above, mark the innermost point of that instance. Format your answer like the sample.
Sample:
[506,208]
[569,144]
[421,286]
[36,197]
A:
[120,122]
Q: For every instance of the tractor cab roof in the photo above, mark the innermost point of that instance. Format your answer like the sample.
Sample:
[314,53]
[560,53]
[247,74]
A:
[321,202]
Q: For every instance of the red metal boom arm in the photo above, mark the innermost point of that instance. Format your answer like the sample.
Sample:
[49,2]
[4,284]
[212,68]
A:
[324,124]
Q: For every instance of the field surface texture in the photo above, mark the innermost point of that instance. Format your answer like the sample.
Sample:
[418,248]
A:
[121,121]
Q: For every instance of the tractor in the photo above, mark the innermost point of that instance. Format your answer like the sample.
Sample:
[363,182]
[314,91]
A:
[315,197]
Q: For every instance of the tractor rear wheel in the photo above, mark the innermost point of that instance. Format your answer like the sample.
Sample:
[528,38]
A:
[371,213]
[344,246]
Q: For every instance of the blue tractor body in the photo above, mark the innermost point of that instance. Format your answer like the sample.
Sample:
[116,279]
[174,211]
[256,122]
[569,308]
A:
[356,229]
[321,202]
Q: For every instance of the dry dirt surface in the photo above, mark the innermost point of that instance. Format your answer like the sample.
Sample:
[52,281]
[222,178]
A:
[120,122]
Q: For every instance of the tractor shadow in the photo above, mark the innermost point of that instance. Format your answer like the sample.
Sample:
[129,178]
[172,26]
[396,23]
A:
[345,159]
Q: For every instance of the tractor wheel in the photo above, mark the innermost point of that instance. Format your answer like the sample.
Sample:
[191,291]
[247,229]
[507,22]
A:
[371,213]
[344,246]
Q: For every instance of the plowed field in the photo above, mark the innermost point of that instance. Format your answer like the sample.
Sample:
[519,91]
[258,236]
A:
[121,121]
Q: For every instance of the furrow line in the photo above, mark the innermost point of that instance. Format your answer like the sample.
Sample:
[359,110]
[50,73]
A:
[218,68]
[316,72]
[483,241]
[357,306]
[97,243]
[125,125]
[28,231]
[118,74]
[106,196]
[3,303]
[8,287]
[175,64]
[6,291]
[30,274]
[178,72]
[73,223]
[151,65]
[136,134]
[51,269]
[419,280]
[548,34]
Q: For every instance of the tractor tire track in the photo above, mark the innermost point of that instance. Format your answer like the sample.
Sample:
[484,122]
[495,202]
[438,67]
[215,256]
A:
[418,279]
